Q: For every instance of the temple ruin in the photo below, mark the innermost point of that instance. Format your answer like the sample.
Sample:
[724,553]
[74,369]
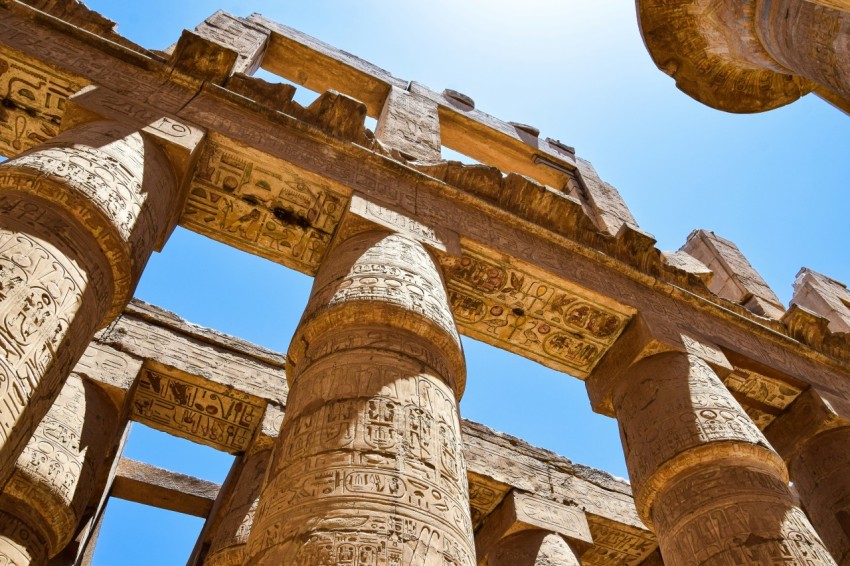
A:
[350,449]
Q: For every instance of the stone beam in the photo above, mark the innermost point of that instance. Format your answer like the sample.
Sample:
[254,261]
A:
[142,483]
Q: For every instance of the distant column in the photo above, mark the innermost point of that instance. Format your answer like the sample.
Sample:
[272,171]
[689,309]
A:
[814,438]
[237,510]
[55,477]
[369,465]
[703,475]
[79,217]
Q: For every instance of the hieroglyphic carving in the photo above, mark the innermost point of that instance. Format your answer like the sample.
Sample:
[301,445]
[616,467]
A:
[703,474]
[484,495]
[615,543]
[399,453]
[34,100]
[369,467]
[262,207]
[56,474]
[763,397]
[20,544]
[201,411]
[500,304]
[117,185]
[40,293]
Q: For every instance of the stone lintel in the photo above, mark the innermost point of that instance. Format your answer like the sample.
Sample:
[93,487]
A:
[521,511]
[198,410]
[687,262]
[607,206]
[734,279]
[410,123]
[248,40]
[142,483]
[305,60]
[203,58]
[113,370]
[368,174]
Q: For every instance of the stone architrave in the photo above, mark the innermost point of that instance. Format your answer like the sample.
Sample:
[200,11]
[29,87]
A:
[704,477]
[56,476]
[369,468]
[79,217]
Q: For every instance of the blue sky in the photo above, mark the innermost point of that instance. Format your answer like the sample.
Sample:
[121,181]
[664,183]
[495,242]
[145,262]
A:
[777,184]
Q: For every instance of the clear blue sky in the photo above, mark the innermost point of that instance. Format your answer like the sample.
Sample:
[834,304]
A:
[777,184]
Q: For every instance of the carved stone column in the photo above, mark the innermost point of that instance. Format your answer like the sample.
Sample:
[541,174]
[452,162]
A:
[56,475]
[227,547]
[704,477]
[814,439]
[79,217]
[369,466]
[230,522]
[753,55]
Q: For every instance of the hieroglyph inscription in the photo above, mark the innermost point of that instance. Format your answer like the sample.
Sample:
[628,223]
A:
[771,395]
[261,207]
[40,292]
[511,309]
[398,453]
[215,416]
[33,103]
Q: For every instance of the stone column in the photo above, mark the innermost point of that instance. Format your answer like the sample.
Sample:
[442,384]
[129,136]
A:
[704,477]
[821,474]
[369,465]
[56,475]
[809,37]
[753,55]
[79,217]
[237,510]
[814,439]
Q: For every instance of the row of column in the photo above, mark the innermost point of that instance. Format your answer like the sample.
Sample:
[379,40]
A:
[368,468]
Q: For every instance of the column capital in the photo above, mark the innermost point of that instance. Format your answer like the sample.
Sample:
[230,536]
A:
[811,413]
[520,511]
[644,337]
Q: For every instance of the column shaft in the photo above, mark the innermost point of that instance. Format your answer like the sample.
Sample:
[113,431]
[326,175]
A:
[810,37]
[704,477]
[227,547]
[821,474]
[56,475]
[369,469]
[79,218]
